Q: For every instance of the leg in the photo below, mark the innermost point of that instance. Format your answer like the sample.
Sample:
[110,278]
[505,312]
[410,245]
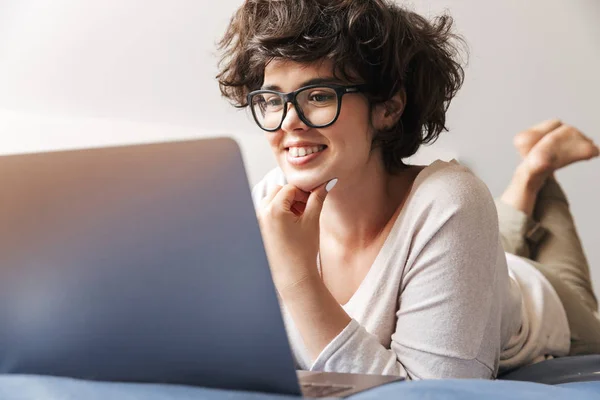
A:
[534,191]
[547,234]
[583,323]
[534,195]
[519,232]
[522,235]
[561,250]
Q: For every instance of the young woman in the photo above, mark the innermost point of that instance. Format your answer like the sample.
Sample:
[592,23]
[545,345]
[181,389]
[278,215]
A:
[388,268]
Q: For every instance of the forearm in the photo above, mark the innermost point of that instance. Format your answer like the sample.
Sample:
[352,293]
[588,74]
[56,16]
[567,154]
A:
[320,321]
[315,312]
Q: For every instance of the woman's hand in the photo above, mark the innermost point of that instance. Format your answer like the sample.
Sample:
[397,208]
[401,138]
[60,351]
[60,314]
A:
[289,223]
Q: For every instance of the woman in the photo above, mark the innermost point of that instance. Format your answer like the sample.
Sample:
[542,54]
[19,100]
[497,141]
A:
[387,268]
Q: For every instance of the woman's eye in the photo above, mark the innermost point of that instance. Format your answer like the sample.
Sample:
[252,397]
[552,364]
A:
[321,97]
[274,102]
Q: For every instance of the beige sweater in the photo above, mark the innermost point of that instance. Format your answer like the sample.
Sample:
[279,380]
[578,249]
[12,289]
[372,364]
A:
[440,299]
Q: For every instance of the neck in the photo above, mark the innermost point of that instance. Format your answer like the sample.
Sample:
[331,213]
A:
[358,210]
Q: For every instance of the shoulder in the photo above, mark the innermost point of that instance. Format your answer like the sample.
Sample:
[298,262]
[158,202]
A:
[273,178]
[450,181]
[449,188]
[449,203]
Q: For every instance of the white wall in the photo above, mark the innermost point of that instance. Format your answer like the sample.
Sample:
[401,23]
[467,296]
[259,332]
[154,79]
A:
[76,74]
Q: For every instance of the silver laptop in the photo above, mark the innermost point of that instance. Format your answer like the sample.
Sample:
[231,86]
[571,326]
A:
[144,263]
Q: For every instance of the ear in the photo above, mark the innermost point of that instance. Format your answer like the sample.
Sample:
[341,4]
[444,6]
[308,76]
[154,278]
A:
[386,115]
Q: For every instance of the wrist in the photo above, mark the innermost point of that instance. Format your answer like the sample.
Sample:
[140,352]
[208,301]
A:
[300,287]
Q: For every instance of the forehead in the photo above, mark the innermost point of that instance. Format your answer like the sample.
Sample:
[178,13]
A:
[290,75]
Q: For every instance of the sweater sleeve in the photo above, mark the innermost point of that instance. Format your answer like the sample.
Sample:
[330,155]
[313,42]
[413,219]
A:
[447,294]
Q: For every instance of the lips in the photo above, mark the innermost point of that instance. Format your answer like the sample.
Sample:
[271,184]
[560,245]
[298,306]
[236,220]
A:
[302,151]
[302,155]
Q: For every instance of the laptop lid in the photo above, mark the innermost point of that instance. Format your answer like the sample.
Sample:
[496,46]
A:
[138,263]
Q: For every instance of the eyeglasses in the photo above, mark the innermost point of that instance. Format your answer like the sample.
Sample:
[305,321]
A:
[318,106]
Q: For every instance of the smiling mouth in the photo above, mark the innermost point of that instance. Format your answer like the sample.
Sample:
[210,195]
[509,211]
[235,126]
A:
[303,151]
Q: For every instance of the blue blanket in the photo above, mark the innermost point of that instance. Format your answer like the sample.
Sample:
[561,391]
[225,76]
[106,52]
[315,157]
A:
[22,387]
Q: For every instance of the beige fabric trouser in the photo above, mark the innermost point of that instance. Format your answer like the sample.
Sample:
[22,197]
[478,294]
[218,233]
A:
[552,245]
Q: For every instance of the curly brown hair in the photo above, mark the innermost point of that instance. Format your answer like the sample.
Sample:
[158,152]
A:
[368,41]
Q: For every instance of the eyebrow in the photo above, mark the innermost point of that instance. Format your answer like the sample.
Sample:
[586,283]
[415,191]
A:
[314,81]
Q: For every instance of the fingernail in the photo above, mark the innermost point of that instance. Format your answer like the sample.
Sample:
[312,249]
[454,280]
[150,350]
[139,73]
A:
[331,184]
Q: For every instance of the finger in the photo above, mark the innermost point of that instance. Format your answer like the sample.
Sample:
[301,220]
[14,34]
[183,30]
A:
[547,126]
[298,208]
[270,196]
[287,197]
[317,197]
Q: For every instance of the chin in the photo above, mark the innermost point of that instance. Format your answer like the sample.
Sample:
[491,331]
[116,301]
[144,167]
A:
[306,179]
[305,183]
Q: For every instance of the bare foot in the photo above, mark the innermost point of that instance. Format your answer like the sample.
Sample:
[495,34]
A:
[545,148]
[561,147]
[525,140]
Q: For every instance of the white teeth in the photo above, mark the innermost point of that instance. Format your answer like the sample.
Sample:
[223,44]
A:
[305,151]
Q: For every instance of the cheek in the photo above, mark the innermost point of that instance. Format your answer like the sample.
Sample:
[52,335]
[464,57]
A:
[274,139]
[355,113]
[353,124]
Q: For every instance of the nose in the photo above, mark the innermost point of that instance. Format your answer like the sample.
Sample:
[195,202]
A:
[292,121]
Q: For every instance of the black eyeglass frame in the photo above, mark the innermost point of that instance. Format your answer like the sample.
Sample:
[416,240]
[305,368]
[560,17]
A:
[340,91]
